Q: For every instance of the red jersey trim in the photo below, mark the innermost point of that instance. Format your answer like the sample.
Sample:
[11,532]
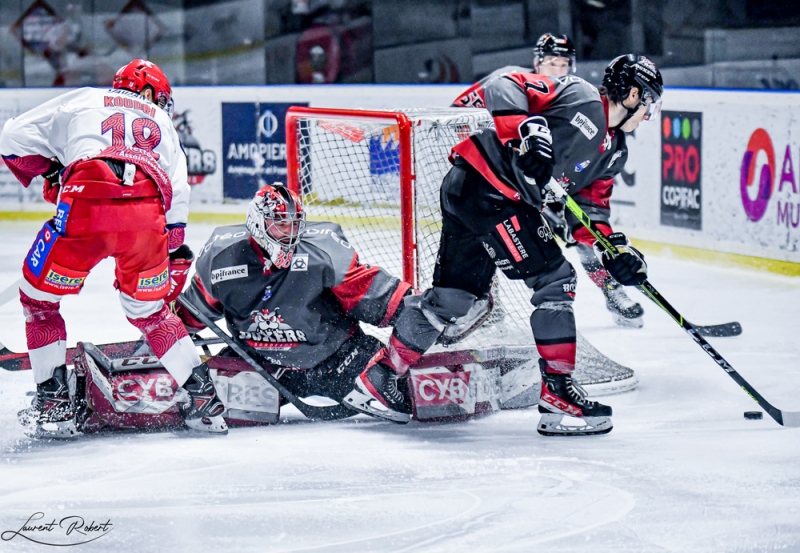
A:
[583,236]
[598,193]
[394,303]
[472,155]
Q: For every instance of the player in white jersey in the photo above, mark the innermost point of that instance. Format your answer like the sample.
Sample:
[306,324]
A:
[115,168]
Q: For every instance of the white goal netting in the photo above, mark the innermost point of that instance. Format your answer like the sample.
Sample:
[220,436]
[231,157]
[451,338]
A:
[359,169]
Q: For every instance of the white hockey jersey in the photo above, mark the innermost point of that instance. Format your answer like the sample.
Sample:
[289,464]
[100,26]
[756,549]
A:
[90,122]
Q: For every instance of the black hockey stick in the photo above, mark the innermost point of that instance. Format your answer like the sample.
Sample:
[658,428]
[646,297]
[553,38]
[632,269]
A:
[19,361]
[334,412]
[784,418]
[722,330]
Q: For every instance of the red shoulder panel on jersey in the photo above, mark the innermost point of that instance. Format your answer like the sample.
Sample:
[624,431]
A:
[355,284]
[472,155]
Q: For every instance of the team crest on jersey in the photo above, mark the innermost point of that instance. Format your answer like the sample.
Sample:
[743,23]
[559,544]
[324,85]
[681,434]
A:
[268,330]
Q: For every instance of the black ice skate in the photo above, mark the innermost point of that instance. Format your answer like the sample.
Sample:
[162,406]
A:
[52,414]
[378,392]
[203,411]
[561,396]
[626,312]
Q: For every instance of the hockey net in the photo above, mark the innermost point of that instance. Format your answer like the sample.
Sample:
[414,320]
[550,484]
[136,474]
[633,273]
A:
[378,174]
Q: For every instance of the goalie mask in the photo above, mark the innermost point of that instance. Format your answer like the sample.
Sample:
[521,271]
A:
[275,220]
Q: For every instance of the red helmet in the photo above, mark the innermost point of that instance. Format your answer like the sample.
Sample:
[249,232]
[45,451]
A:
[140,73]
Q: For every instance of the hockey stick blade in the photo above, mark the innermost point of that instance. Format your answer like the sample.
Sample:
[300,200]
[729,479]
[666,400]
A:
[784,418]
[19,361]
[723,330]
[311,412]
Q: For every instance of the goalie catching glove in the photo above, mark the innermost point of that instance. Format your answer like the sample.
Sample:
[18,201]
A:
[535,160]
[628,267]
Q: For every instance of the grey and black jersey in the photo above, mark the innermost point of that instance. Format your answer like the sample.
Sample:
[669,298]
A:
[296,317]
[587,153]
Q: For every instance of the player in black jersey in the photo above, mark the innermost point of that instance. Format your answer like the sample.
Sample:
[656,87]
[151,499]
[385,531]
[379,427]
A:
[491,200]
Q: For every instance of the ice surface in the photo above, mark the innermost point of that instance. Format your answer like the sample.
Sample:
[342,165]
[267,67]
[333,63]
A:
[681,471]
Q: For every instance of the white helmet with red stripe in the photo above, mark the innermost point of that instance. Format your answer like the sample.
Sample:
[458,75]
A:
[276,220]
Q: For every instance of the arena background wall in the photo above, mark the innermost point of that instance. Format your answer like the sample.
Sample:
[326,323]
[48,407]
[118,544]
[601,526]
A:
[716,178]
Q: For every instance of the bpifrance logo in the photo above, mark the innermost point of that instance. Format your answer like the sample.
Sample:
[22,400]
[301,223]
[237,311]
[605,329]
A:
[755,205]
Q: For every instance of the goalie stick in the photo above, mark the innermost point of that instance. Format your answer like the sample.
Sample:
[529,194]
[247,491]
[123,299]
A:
[311,412]
[784,418]
[10,293]
[19,361]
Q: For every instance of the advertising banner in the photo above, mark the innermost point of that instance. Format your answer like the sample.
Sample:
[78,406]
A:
[681,154]
[253,146]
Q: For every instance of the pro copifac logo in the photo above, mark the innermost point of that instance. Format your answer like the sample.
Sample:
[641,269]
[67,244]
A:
[755,205]
[681,169]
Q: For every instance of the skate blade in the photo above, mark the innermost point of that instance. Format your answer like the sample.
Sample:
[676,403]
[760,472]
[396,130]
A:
[214,426]
[363,403]
[61,430]
[551,424]
[638,322]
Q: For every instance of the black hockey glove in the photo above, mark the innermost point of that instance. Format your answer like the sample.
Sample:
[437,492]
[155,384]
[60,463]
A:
[628,267]
[52,182]
[536,158]
[555,216]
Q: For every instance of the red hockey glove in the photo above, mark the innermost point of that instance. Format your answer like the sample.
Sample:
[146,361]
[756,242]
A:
[52,183]
[180,261]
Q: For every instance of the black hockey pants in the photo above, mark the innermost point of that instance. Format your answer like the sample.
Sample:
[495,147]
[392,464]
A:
[482,230]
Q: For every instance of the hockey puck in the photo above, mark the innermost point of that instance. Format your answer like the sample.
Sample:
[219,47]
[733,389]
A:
[753,415]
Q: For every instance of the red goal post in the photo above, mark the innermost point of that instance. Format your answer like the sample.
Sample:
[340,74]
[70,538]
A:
[405,169]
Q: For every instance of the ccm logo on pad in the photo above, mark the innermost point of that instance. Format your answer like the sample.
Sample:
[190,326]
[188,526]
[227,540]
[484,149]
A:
[228,273]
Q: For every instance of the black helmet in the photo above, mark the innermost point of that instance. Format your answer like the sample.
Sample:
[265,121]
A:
[552,45]
[627,71]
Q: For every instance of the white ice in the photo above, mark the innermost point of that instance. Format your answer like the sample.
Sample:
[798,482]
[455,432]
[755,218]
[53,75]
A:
[681,471]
